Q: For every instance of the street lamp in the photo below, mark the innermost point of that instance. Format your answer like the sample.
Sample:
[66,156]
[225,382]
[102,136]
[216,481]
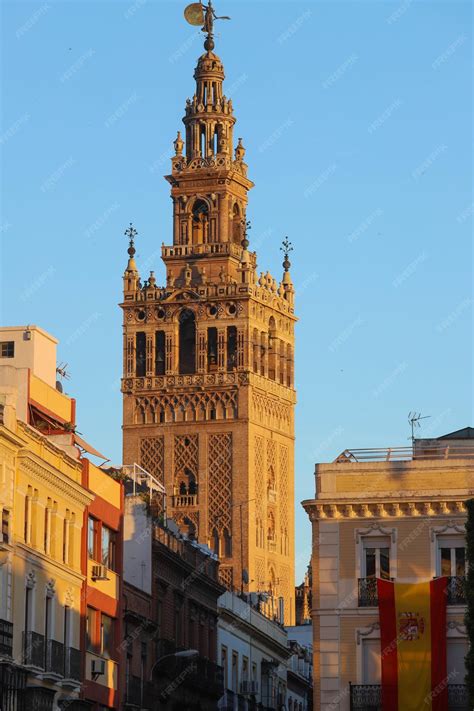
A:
[183,654]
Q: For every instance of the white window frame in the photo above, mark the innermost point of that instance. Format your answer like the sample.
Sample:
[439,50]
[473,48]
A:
[375,530]
[450,529]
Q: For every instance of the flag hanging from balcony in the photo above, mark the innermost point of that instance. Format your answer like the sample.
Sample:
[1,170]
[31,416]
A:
[413,645]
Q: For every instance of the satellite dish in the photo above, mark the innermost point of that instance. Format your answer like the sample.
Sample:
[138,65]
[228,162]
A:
[194,14]
[245,576]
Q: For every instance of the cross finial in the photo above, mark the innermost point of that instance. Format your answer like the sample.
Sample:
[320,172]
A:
[246,226]
[286,248]
[131,233]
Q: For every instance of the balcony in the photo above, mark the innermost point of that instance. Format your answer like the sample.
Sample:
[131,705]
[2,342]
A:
[39,698]
[33,650]
[456,591]
[54,658]
[12,685]
[367,595]
[185,501]
[368,697]
[73,664]
[6,638]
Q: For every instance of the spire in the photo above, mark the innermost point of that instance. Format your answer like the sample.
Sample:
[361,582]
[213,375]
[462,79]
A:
[131,233]
[286,283]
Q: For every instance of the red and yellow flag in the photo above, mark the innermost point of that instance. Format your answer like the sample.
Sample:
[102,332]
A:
[413,645]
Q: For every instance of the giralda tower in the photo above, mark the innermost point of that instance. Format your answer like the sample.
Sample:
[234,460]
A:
[208,366]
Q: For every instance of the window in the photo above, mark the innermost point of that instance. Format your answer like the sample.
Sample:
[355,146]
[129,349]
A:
[160,351]
[47,628]
[93,538]
[231,348]
[107,636]
[235,671]
[140,346]
[212,349]
[245,669]
[7,349]
[108,547]
[91,630]
[457,649]
[371,661]
[187,342]
[376,558]
[224,664]
[451,556]
[5,522]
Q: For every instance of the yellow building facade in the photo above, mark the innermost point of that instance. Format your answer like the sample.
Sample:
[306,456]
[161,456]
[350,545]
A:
[48,494]
[394,514]
[43,502]
[208,367]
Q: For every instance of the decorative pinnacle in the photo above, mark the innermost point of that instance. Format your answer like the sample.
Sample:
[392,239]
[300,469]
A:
[246,226]
[131,233]
[286,248]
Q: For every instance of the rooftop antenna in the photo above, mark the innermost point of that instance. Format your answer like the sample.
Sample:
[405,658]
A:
[414,420]
[62,371]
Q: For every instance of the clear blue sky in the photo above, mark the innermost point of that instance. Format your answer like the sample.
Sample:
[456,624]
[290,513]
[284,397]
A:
[357,121]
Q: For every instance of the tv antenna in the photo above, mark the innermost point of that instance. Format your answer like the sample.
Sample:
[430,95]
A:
[414,419]
[62,371]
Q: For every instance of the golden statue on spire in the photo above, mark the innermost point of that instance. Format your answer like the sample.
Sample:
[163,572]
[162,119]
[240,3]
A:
[204,16]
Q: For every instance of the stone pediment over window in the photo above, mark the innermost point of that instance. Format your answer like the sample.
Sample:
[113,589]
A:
[182,295]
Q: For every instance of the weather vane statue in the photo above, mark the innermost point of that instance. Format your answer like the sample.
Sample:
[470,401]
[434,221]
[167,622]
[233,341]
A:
[203,16]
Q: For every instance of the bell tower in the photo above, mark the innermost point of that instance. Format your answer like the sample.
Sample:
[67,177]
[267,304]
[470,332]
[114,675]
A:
[208,366]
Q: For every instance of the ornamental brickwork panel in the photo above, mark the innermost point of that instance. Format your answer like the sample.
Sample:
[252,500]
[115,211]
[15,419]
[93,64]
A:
[186,455]
[260,489]
[283,473]
[226,577]
[220,482]
[152,458]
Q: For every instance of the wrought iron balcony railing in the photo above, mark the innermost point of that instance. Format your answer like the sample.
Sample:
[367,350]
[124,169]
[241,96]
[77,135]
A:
[54,657]
[6,638]
[368,697]
[456,590]
[368,596]
[33,649]
[73,664]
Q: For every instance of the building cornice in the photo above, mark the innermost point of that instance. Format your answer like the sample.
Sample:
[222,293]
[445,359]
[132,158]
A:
[238,623]
[33,466]
[393,509]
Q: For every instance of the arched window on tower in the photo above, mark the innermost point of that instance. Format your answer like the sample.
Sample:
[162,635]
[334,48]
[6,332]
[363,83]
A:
[227,544]
[215,543]
[200,222]
[159,353]
[231,348]
[289,366]
[212,349]
[272,348]
[236,225]
[187,342]
[140,354]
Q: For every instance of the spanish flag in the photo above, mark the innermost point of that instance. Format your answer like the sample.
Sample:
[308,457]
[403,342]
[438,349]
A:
[413,645]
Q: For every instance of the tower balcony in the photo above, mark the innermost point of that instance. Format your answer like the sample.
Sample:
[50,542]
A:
[201,250]
[185,501]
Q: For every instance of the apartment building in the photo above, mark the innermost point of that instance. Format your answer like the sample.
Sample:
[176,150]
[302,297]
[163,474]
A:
[395,513]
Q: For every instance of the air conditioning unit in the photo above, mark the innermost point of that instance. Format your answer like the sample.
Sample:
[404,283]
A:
[99,572]
[98,667]
[249,688]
